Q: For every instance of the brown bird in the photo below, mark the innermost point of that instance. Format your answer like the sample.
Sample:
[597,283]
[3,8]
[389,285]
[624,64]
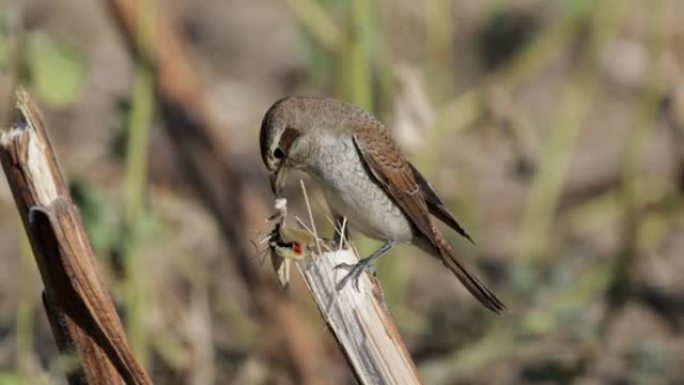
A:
[364,177]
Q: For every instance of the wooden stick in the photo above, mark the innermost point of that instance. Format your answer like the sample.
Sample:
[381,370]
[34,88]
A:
[81,313]
[359,321]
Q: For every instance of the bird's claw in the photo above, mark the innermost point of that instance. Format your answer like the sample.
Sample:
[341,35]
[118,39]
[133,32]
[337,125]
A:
[346,266]
[355,271]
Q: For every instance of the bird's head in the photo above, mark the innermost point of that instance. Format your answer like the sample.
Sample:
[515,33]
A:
[284,133]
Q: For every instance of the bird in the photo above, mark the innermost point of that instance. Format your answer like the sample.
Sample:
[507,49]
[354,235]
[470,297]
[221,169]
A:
[364,178]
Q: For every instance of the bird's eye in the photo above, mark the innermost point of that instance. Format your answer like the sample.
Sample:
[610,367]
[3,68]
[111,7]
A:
[278,153]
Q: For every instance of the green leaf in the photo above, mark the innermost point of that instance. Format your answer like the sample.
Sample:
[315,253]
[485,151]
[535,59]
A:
[56,71]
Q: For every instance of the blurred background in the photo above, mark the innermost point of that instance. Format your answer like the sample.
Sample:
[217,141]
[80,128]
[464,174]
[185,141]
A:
[554,130]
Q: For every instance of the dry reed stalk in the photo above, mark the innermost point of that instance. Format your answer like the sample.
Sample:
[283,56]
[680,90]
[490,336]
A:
[359,321]
[357,318]
[81,313]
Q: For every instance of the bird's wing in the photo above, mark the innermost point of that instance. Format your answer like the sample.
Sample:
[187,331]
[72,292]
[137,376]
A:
[391,170]
[394,174]
[436,206]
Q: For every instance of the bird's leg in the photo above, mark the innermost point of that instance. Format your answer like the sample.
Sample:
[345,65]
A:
[355,270]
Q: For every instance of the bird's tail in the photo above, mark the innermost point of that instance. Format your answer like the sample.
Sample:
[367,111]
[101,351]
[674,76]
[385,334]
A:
[474,286]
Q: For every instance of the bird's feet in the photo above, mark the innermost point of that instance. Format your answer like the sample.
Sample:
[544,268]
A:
[355,271]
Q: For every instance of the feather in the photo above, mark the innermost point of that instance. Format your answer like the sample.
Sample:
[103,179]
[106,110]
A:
[436,206]
[396,176]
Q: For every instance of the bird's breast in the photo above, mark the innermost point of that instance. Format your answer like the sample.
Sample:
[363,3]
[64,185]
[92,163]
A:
[351,192]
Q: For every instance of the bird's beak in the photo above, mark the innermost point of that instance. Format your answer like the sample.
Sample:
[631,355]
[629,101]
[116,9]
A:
[277,179]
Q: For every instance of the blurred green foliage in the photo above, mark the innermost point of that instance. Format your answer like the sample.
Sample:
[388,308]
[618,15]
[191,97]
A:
[56,71]
[99,214]
[11,379]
